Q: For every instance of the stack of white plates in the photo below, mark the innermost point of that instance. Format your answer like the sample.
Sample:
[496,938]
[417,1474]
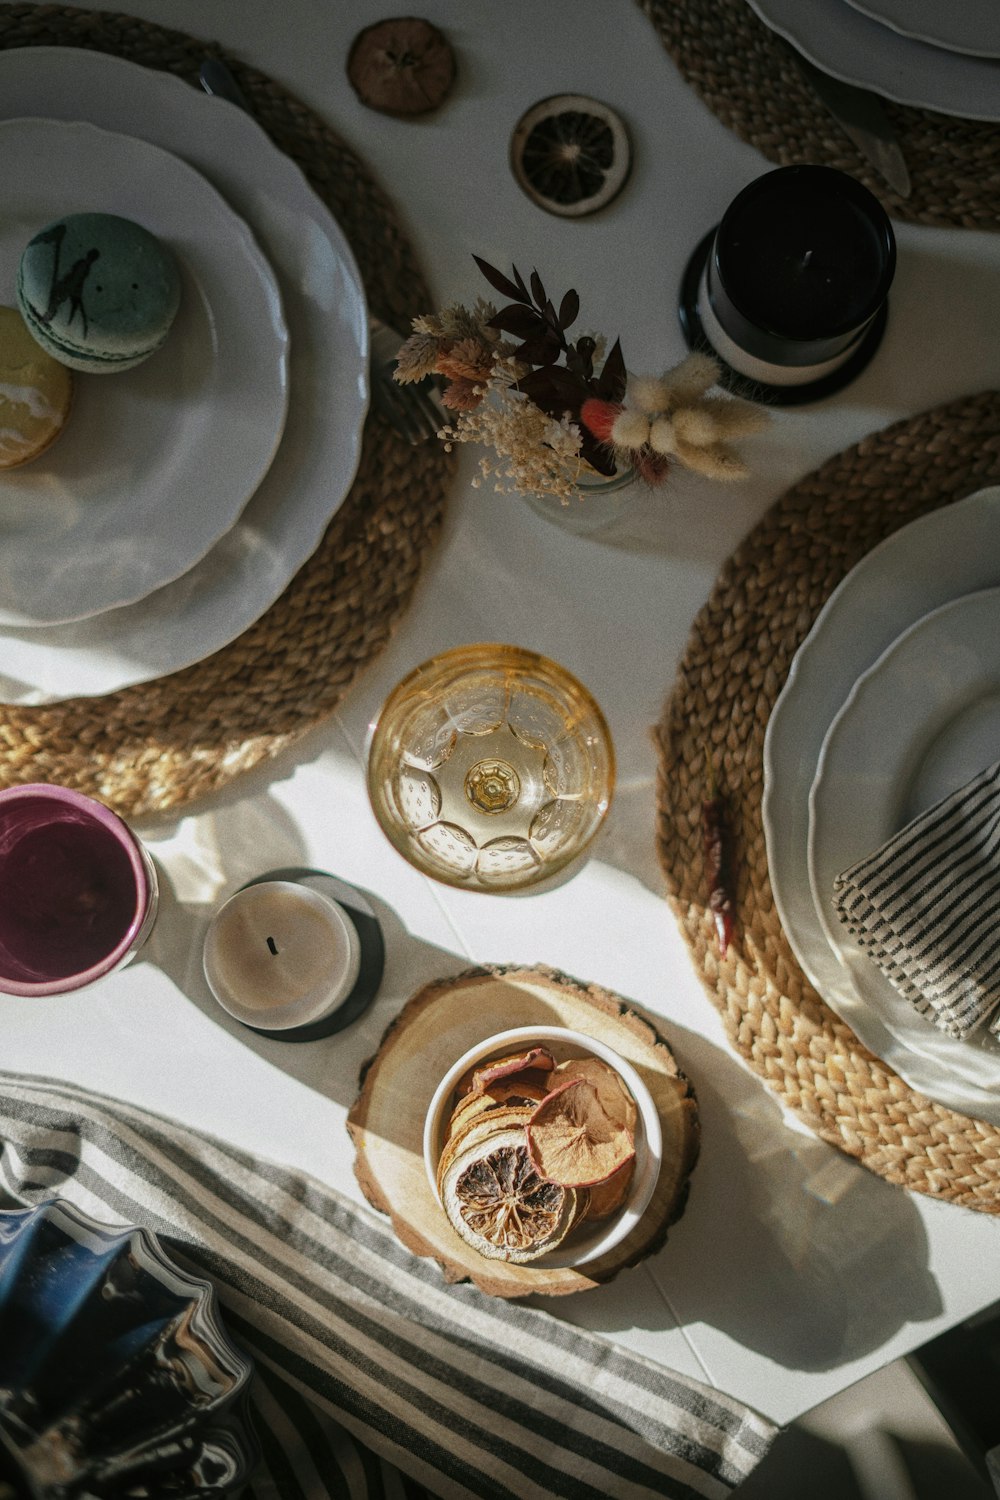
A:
[920,52]
[892,701]
[183,495]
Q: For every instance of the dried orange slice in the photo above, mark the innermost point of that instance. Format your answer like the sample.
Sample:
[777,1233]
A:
[481,1127]
[501,1207]
[570,154]
[573,1140]
[611,1089]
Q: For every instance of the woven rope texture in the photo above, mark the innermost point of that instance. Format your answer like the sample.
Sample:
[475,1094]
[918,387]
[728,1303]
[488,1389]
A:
[748,78]
[733,668]
[161,744]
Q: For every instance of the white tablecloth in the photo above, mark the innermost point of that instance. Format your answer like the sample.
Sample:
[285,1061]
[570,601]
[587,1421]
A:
[793,1272]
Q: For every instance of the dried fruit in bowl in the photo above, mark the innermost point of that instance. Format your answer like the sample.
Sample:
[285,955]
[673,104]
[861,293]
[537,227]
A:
[532,1059]
[497,1202]
[573,1140]
[607,1197]
[614,1096]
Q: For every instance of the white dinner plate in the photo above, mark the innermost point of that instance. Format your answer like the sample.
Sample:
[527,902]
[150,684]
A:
[921,722]
[971,26]
[155,463]
[950,552]
[283,522]
[851,46]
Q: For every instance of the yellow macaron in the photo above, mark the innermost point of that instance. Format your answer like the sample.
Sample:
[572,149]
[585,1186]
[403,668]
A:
[36,393]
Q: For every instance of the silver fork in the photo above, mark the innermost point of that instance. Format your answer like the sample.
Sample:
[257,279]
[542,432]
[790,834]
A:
[413,411]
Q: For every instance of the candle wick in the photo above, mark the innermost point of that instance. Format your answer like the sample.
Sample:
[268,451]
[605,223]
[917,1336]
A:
[807,257]
[272,945]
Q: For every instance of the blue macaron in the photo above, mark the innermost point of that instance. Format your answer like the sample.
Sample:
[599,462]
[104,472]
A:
[98,292]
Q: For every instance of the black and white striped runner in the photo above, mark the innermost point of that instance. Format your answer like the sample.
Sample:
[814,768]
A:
[376,1379]
[925,907]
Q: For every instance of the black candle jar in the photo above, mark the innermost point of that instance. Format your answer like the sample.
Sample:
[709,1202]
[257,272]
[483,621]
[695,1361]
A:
[789,291]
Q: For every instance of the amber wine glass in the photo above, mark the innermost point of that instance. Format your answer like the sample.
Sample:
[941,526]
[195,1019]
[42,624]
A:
[490,767]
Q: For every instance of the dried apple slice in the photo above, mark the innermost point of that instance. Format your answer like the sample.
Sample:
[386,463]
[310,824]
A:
[535,1059]
[501,1207]
[607,1197]
[572,1139]
[611,1089]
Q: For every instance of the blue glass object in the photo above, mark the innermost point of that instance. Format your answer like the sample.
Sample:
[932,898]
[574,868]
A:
[117,1378]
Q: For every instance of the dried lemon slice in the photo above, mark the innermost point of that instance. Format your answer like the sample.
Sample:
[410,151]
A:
[501,1207]
[570,154]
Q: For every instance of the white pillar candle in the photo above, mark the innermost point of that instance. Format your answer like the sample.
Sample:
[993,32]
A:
[279,955]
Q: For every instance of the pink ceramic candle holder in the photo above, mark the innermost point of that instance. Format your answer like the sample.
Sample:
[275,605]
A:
[78,891]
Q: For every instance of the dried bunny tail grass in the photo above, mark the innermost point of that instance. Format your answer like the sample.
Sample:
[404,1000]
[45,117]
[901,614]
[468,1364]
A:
[689,380]
[648,393]
[417,358]
[629,430]
[663,437]
[717,462]
[732,417]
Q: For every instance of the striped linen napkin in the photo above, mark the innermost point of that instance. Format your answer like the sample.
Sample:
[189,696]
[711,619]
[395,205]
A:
[925,907]
[376,1380]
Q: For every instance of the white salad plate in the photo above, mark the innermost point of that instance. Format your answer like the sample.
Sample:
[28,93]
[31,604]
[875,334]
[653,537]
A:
[853,47]
[283,522]
[972,26]
[154,463]
[950,552]
[921,722]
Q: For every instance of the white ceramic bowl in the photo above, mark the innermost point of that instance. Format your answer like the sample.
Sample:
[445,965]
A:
[596,1240]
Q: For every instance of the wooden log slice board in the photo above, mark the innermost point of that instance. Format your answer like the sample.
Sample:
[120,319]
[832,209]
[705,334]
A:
[441,1022]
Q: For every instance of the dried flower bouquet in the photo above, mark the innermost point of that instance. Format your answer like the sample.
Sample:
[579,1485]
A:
[552,412]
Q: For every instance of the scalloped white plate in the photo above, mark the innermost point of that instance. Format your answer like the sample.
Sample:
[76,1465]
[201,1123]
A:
[921,722]
[858,50]
[972,26]
[156,463]
[283,522]
[944,555]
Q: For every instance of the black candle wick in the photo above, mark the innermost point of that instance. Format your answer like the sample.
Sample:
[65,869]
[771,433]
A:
[272,945]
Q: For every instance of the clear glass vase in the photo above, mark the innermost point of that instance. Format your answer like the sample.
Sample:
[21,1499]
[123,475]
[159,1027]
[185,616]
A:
[599,503]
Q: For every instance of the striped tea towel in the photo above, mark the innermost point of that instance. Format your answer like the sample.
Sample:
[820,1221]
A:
[925,907]
[375,1377]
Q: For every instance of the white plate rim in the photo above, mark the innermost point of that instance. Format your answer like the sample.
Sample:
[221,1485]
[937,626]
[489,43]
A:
[283,523]
[945,26]
[948,552]
[864,990]
[43,595]
[850,46]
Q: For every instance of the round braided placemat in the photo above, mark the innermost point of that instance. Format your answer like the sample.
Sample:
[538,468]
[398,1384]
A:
[160,744]
[734,666]
[748,78]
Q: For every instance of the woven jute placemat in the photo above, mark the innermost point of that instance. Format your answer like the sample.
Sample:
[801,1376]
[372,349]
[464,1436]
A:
[745,74]
[734,666]
[161,744]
